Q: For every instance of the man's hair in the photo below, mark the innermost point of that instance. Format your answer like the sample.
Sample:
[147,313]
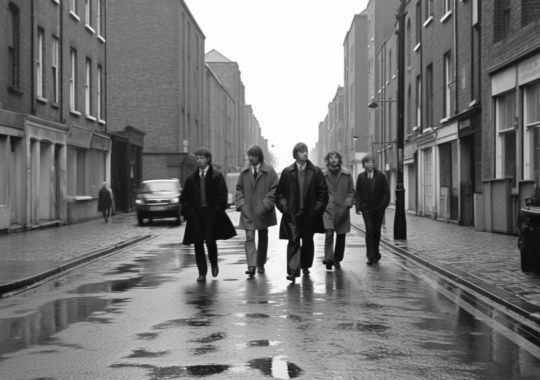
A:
[205,152]
[256,150]
[366,158]
[333,153]
[300,147]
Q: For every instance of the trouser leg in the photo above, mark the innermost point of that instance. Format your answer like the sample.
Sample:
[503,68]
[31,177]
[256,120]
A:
[251,250]
[370,235]
[339,251]
[262,248]
[329,246]
[378,219]
[293,248]
[210,237]
[308,248]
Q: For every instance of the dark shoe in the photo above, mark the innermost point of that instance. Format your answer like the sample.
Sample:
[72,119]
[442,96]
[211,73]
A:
[201,278]
[251,272]
[305,271]
[215,271]
[291,278]
[260,270]
[328,264]
[370,262]
[337,265]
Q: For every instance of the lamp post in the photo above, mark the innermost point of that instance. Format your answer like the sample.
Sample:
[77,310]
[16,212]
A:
[400,220]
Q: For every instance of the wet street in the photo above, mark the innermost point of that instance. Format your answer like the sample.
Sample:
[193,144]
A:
[141,315]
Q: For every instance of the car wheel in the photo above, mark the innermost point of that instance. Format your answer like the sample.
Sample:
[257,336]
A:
[140,220]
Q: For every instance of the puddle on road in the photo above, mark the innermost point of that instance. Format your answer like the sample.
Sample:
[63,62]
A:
[211,338]
[206,349]
[142,353]
[276,367]
[192,322]
[363,327]
[122,285]
[39,327]
[261,343]
[147,335]
[126,268]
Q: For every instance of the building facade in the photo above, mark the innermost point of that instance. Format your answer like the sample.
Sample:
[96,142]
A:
[511,110]
[53,143]
[355,95]
[333,134]
[156,75]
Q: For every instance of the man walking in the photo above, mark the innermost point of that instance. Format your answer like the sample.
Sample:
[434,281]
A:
[204,201]
[336,217]
[372,198]
[256,201]
[302,197]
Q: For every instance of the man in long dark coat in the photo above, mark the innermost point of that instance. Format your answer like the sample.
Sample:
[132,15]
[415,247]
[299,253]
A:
[372,198]
[337,216]
[256,201]
[204,201]
[105,201]
[302,198]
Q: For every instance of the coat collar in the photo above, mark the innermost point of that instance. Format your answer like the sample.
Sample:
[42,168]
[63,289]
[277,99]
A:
[344,171]
[293,167]
[263,168]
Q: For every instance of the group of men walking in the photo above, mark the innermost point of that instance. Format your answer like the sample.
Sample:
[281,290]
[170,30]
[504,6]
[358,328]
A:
[311,201]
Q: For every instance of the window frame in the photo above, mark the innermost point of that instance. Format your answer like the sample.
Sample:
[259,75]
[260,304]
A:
[40,77]
[88,87]
[55,62]
[73,83]
[447,83]
[14,47]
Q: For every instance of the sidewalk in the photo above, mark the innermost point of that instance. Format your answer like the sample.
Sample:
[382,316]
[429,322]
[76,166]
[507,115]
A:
[27,254]
[493,258]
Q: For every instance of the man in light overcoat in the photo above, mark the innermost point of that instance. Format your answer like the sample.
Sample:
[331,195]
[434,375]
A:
[256,201]
[336,217]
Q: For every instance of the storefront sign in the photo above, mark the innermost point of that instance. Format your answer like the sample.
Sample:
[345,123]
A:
[79,137]
[464,124]
[529,70]
[100,143]
[503,81]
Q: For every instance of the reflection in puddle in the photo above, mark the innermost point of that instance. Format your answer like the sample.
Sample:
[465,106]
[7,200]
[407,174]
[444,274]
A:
[146,354]
[123,285]
[39,327]
[173,372]
[363,327]
[206,349]
[261,343]
[147,335]
[277,367]
[212,338]
[193,322]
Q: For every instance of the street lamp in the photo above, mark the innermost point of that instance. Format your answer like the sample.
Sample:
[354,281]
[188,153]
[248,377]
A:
[400,220]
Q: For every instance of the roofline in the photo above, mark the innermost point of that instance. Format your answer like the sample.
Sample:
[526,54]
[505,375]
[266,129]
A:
[194,20]
[362,14]
[219,81]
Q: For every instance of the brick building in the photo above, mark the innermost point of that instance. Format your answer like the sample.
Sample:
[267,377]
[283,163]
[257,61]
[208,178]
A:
[511,110]
[332,131]
[156,74]
[55,153]
[355,95]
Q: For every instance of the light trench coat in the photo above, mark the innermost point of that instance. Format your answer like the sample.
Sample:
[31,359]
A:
[256,198]
[341,193]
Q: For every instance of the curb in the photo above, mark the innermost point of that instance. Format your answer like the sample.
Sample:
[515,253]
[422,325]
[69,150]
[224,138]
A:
[518,305]
[28,281]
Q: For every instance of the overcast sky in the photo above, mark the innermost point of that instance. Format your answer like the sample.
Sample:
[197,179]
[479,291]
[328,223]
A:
[290,53]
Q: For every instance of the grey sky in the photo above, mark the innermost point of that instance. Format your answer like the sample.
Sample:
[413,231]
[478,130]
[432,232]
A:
[291,57]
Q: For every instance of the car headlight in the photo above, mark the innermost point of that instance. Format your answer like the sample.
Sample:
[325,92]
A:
[139,202]
[175,200]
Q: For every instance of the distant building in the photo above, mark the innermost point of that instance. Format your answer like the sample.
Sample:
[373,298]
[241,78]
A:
[511,109]
[332,131]
[53,143]
[156,75]
[356,97]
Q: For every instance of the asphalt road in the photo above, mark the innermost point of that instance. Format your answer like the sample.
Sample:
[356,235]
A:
[141,315]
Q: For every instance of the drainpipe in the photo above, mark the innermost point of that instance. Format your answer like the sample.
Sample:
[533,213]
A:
[456,85]
[61,63]
[32,55]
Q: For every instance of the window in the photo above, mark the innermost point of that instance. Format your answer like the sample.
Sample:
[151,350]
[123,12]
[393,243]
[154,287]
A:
[447,83]
[505,146]
[418,97]
[418,22]
[532,132]
[446,6]
[429,96]
[100,93]
[55,54]
[409,47]
[39,62]
[88,12]
[410,111]
[88,88]
[389,65]
[100,17]
[502,22]
[73,6]
[429,9]
[73,80]
[13,38]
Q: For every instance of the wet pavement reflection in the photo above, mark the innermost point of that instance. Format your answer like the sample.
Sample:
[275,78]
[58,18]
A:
[140,314]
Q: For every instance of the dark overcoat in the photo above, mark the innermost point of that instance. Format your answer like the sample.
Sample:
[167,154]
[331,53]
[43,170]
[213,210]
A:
[105,199]
[337,215]
[374,194]
[216,199]
[315,201]
[256,198]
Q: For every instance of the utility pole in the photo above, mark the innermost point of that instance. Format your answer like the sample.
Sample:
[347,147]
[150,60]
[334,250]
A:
[400,221]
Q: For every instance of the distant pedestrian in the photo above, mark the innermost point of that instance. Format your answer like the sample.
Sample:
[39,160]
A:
[336,217]
[256,201]
[302,197]
[204,201]
[105,201]
[372,198]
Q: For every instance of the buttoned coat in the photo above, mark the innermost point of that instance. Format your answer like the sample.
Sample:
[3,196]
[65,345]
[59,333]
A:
[374,194]
[216,198]
[337,215]
[315,201]
[256,198]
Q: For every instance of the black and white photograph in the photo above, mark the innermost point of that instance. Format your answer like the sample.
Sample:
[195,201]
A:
[270,189]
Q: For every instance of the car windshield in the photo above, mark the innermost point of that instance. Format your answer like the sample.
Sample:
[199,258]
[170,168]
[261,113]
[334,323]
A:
[159,187]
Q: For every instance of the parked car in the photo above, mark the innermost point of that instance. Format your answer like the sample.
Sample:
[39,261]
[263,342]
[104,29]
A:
[157,199]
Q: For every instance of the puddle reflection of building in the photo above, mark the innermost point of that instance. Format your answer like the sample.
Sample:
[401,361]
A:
[256,291]
[203,297]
